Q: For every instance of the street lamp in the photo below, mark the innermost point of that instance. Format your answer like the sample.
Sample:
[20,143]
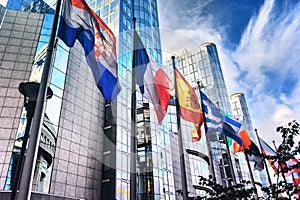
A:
[30,91]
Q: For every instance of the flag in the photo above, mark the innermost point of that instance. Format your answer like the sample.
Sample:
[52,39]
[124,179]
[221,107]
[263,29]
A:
[188,103]
[247,143]
[218,122]
[188,100]
[268,151]
[292,165]
[296,172]
[231,126]
[250,145]
[196,133]
[245,140]
[80,22]
[297,178]
[258,160]
[153,82]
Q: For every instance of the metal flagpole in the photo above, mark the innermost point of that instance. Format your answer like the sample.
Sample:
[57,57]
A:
[181,152]
[251,175]
[230,161]
[280,165]
[30,159]
[133,155]
[261,150]
[212,169]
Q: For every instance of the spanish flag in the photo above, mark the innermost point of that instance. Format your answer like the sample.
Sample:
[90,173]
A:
[188,102]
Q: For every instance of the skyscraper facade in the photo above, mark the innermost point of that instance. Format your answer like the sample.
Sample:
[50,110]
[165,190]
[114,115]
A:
[151,143]
[203,64]
[20,32]
[92,136]
[241,112]
[36,6]
[77,137]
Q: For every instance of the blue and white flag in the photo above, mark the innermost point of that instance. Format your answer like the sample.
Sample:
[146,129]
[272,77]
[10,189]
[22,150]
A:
[80,22]
[219,121]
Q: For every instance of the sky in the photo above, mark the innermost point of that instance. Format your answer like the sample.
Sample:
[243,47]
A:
[3,2]
[258,47]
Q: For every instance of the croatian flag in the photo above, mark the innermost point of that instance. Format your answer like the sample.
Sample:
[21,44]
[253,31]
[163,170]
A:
[153,82]
[80,22]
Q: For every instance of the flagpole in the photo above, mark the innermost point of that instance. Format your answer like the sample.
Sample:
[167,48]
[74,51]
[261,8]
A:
[212,169]
[31,155]
[133,155]
[251,175]
[181,151]
[280,164]
[230,161]
[261,150]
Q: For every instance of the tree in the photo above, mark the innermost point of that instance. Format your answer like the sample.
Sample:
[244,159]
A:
[285,153]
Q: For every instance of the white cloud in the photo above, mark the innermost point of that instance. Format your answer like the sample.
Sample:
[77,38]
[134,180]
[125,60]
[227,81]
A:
[3,2]
[182,26]
[267,56]
[174,14]
[293,98]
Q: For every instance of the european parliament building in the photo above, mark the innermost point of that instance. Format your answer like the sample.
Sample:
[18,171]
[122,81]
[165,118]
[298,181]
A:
[203,64]
[85,145]
[240,111]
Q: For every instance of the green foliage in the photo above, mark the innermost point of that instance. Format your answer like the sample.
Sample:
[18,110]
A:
[286,151]
[218,191]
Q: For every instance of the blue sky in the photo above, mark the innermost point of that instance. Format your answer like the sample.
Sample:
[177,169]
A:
[258,47]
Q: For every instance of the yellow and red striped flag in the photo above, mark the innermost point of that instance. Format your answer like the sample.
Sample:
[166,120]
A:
[190,109]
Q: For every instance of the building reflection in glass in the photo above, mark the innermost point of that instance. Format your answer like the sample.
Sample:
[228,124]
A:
[43,170]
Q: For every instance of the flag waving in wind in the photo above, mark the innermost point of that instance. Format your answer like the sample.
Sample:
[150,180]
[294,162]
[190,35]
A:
[153,82]
[219,121]
[80,22]
[268,151]
[189,106]
[252,150]
[246,142]
[254,156]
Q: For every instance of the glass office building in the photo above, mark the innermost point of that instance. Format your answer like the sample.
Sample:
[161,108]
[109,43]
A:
[154,150]
[38,31]
[75,140]
[240,111]
[203,64]
[92,137]
[36,6]
[19,34]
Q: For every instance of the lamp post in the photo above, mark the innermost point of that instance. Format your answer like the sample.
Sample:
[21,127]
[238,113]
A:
[30,91]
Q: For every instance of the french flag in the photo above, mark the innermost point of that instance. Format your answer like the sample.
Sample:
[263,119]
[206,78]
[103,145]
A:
[153,82]
[80,22]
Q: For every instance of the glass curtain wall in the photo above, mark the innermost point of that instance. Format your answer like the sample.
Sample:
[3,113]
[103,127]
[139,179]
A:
[241,112]
[42,174]
[154,147]
[212,78]
[202,64]
[196,153]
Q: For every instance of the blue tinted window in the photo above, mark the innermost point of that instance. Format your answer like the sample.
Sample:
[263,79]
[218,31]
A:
[58,78]
[61,60]
[105,10]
